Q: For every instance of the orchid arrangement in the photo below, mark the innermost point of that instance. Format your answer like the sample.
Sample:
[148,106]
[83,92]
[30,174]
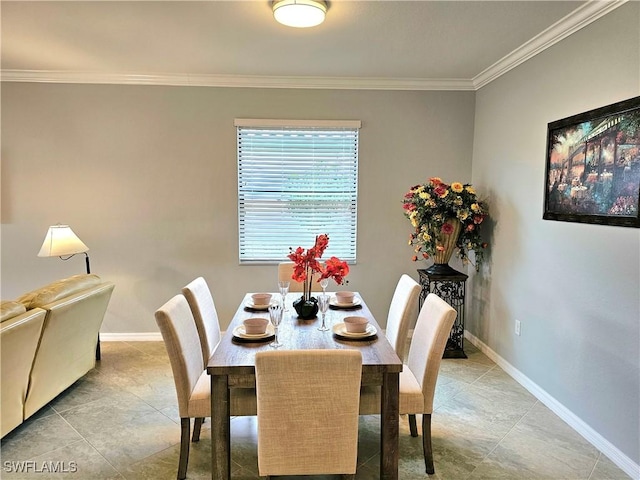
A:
[429,206]
[307,263]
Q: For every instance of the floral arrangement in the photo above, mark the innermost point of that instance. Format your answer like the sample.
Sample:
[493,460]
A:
[429,206]
[307,263]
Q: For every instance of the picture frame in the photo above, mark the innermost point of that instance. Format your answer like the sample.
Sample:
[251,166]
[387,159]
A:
[593,166]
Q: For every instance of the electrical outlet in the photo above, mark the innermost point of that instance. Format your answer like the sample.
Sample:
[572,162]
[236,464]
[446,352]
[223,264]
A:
[518,327]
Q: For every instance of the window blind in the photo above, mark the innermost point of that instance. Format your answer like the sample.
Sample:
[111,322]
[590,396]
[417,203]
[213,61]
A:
[296,181]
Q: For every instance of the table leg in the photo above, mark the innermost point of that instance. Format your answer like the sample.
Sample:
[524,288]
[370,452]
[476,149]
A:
[389,426]
[220,428]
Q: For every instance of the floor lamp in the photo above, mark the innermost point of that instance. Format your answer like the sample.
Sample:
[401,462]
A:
[62,242]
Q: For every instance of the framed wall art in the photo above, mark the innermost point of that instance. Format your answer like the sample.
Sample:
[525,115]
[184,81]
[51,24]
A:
[593,166]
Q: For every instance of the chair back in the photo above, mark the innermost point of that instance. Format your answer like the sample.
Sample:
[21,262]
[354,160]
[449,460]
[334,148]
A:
[204,313]
[181,339]
[428,343]
[308,411]
[402,313]
[285,271]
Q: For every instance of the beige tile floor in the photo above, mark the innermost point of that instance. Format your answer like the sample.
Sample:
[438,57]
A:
[121,422]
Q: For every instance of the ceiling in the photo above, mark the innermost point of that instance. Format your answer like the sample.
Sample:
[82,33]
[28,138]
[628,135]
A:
[454,45]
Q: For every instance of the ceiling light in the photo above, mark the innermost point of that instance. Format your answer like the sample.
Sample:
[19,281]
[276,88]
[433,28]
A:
[299,13]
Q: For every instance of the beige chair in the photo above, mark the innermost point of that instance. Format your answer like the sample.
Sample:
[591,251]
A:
[193,384]
[402,313]
[420,373]
[204,312]
[308,411]
[285,270]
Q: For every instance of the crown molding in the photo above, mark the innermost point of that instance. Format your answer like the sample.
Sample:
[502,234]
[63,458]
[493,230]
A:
[579,18]
[240,81]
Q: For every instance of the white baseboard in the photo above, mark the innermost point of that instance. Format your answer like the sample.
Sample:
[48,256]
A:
[614,454]
[131,337]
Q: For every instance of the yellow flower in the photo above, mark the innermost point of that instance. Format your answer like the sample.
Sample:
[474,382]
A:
[426,237]
[424,195]
[458,201]
[475,207]
[420,189]
[463,215]
[431,203]
[457,187]
[471,190]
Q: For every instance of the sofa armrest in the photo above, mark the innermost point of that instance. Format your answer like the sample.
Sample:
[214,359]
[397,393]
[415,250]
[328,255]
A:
[19,338]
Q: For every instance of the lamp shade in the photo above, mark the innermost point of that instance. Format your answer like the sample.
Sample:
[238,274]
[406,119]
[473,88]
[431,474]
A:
[61,240]
[299,13]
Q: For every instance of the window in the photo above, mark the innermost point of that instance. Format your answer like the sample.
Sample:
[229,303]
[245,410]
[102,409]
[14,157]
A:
[296,180]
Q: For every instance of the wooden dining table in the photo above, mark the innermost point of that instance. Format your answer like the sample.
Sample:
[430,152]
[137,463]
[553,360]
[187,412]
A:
[232,365]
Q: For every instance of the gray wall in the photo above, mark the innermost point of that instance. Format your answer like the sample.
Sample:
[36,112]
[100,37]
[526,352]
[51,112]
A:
[574,287]
[146,176]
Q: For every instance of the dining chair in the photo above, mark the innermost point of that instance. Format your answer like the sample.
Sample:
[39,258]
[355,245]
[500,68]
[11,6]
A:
[285,270]
[308,411]
[403,311]
[204,312]
[193,384]
[420,374]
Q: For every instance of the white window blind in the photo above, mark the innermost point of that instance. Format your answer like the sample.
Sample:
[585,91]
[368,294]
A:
[296,180]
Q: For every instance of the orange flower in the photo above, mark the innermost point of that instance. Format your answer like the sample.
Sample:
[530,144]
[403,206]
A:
[307,263]
[336,269]
[457,187]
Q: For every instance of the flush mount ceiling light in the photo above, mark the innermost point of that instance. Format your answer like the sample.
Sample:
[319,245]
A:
[299,13]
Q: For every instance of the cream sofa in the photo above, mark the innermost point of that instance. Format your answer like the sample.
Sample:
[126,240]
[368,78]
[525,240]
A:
[48,340]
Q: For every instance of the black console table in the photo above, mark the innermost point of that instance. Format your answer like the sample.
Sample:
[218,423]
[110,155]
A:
[450,287]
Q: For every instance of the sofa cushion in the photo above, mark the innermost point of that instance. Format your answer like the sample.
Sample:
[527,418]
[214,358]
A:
[58,290]
[10,309]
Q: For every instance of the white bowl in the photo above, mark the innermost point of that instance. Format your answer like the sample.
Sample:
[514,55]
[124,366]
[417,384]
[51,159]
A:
[255,325]
[344,297]
[356,324]
[261,298]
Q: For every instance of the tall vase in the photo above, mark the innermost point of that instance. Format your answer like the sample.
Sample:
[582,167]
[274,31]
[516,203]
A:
[306,306]
[448,241]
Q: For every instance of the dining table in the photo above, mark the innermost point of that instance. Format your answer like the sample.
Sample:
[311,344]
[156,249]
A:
[232,365]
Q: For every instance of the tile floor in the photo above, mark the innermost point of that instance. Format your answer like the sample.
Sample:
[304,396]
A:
[121,422]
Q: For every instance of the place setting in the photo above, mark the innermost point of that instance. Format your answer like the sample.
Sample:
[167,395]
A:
[345,300]
[259,302]
[260,329]
[354,329]
[254,330]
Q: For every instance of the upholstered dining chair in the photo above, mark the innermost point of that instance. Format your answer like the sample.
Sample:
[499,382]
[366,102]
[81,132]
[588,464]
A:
[285,270]
[204,312]
[308,411]
[420,374]
[403,311]
[193,384]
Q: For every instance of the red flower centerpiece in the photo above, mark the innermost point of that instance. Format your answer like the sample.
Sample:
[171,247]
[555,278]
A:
[307,263]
